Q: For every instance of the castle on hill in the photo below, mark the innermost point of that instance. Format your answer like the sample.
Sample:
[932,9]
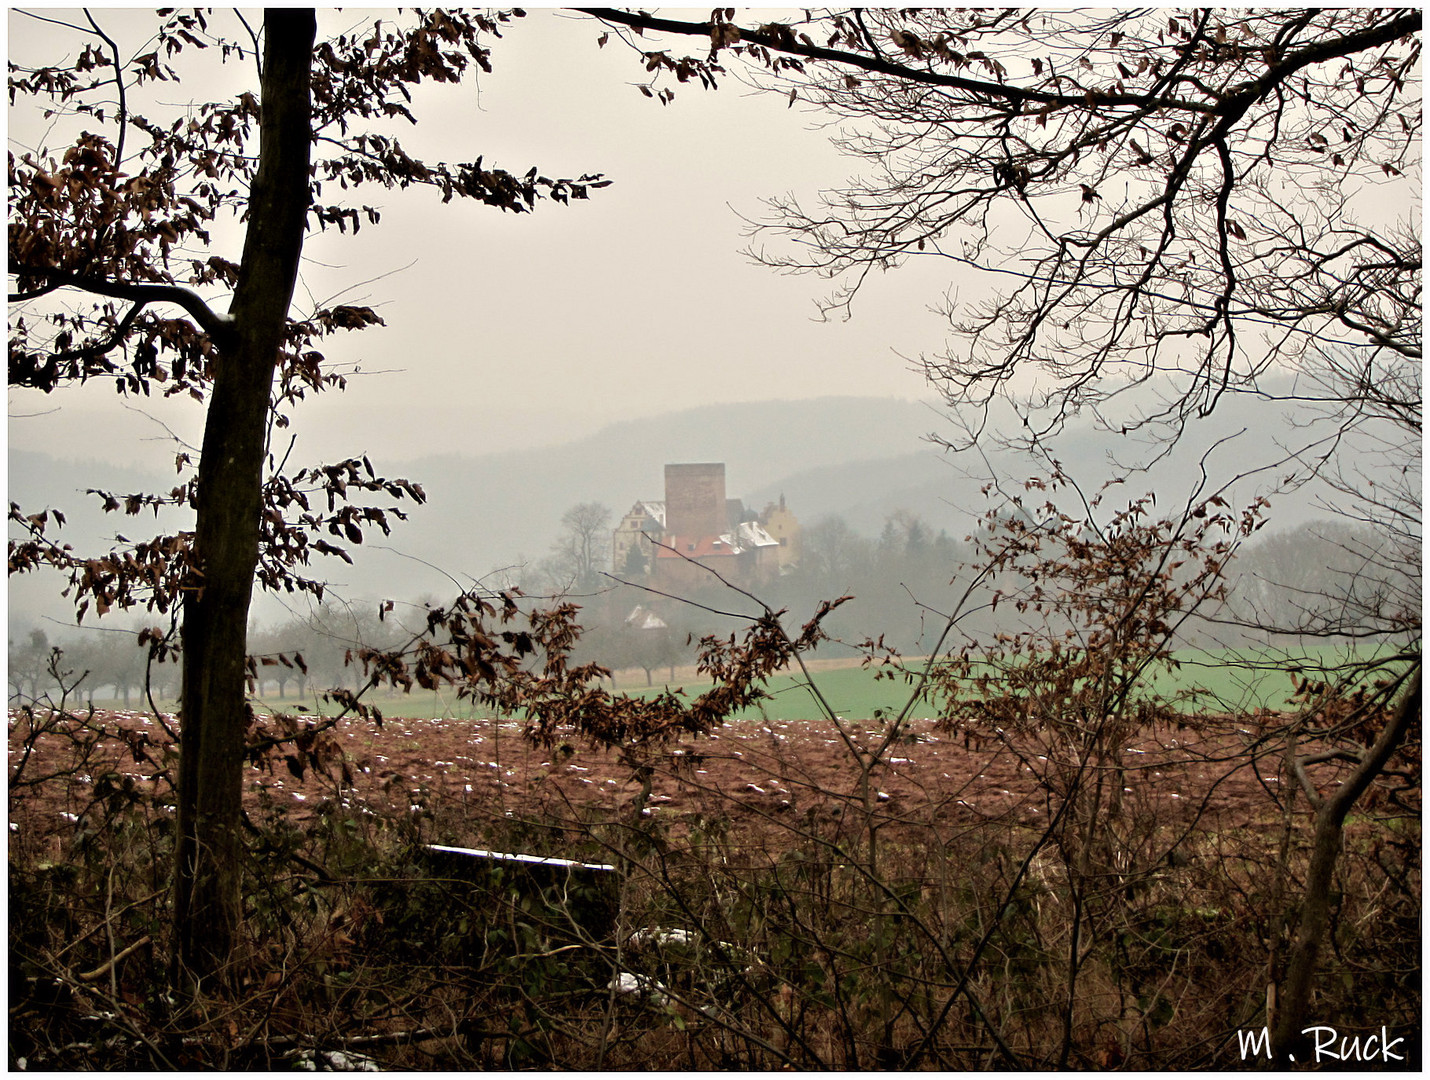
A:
[668,544]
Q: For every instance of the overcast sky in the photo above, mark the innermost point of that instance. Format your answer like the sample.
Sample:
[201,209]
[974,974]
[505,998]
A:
[513,331]
[523,329]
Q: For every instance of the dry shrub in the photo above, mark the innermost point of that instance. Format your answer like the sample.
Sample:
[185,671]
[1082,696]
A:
[769,947]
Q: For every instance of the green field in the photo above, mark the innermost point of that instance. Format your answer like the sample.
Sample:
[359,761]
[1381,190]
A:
[1230,681]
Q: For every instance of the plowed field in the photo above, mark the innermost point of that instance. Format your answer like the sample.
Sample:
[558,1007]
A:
[756,777]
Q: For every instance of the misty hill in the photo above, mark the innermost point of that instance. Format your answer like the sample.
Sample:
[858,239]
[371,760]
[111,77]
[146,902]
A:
[490,509]
[865,493]
[36,482]
[861,458]
[947,488]
[507,505]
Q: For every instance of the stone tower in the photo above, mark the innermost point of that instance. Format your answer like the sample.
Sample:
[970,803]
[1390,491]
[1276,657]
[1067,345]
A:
[695,501]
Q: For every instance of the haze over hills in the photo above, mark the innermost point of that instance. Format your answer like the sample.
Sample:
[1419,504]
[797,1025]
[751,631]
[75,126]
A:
[862,458]
[490,510]
[493,510]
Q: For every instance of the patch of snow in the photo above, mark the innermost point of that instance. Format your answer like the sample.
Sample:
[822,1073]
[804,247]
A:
[626,983]
[334,1061]
[657,935]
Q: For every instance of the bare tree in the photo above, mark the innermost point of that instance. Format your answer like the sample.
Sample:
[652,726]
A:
[1167,207]
[117,225]
[27,664]
[1190,196]
[582,552]
[1163,208]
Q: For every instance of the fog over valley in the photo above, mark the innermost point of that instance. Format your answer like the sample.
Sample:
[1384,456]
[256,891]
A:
[490,515]
[618,540]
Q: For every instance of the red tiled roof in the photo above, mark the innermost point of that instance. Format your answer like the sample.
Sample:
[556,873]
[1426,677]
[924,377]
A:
[689,547]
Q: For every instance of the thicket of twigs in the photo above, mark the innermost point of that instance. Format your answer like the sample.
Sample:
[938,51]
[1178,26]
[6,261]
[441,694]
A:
[1100,933]
[1102,930]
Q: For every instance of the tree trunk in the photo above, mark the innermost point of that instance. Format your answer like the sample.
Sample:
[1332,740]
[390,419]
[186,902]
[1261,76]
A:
[1294,999]
[214,710]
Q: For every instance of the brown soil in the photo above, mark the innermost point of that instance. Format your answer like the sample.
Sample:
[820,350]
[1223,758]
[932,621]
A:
[758,778]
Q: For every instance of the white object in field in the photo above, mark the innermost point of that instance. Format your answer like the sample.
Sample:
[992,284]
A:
[530,860]
[626,983]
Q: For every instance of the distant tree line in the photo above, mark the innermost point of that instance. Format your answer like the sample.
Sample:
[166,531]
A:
[1326,580]
[296,658]
[102,664]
